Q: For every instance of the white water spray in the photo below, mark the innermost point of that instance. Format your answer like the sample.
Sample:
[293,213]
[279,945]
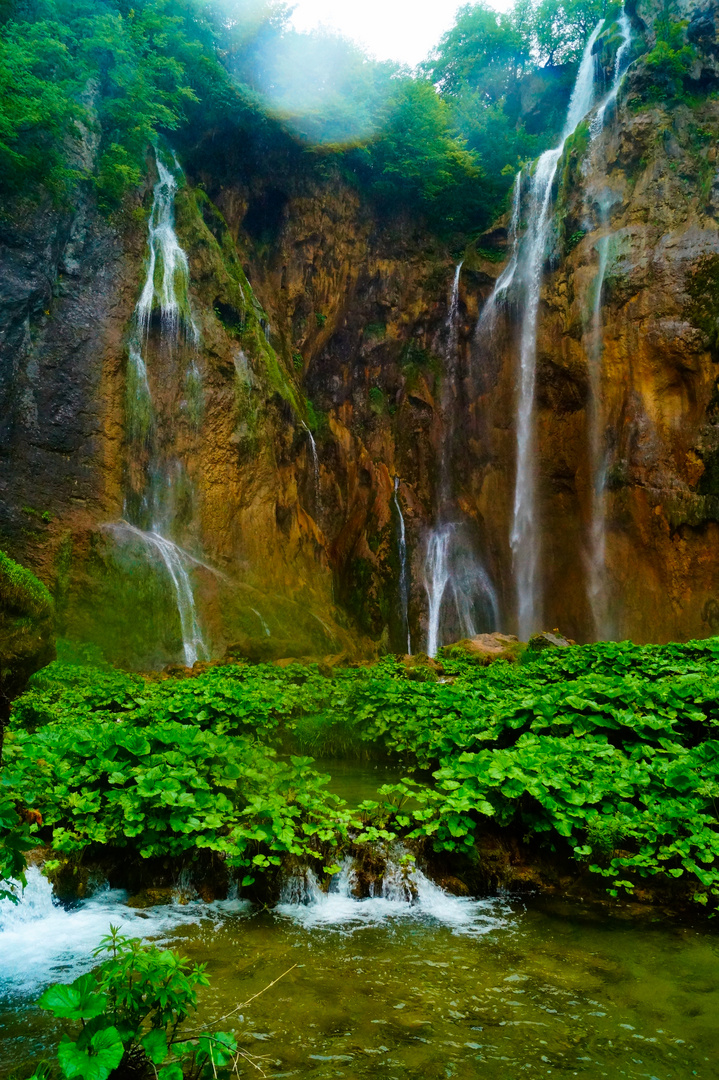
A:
[403,567]
[404,893]
[525,532]
[436,579]
[620,64]
[42,942]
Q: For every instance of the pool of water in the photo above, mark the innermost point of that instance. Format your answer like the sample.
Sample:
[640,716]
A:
[409,984]
[356,781]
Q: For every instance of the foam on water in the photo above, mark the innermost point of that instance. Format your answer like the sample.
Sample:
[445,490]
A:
[42,942]
[405,894]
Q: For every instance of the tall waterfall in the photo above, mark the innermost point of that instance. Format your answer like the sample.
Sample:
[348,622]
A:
[403,567]
[460,595]
[149,506]
[525,532]
[596,576]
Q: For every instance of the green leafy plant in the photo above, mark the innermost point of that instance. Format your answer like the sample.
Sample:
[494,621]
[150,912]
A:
[128,1013]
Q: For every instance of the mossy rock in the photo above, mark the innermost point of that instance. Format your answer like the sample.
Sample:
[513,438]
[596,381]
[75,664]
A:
[27,640]
[486,648]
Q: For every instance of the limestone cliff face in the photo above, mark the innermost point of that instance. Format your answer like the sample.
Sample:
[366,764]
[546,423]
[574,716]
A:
[655,168]
[316,317]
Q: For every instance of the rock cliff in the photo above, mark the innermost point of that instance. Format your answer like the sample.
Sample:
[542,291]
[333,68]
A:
[323,330]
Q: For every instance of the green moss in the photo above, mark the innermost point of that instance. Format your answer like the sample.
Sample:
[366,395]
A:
[378,401]
[21,591]
[26,629]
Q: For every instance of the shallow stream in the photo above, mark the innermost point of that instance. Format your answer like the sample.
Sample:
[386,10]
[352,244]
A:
[409,984]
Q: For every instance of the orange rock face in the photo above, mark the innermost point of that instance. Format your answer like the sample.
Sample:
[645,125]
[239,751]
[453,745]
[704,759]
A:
[300,554]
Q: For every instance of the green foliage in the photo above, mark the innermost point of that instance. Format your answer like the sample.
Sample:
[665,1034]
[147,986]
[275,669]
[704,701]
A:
[665,68]
[377,401]
[15,840]
[75,69]
[127,1014]
[609,753]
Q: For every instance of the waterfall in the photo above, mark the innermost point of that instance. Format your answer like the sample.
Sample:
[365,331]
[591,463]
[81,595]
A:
[488,315]
[315,466]
[525,531]
[403,567]
[625,28]
[449,393]
[459,592]
[177,563]
[167,262]
[403,892]
[435,583]
[152,517]
[596,577]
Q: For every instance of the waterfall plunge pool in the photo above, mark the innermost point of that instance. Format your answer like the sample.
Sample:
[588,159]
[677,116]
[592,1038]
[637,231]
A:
[409,984]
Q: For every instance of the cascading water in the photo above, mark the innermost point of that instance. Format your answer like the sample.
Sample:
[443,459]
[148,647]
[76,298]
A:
[164,248]
[525,531]
[149,502]
[403,567]
[596,576]
[41,941]
[404,892]
[458,588]
[620,67]
[436,580]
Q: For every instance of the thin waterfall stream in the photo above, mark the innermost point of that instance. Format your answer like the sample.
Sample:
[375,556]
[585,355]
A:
[458,587]
[596,571]
[403,567]
[149,512]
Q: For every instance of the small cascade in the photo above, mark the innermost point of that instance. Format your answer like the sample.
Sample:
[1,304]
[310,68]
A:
[403,567]
[315,467]
[459,593]
[525,532]
[598,456]
[404,892]
[43,942]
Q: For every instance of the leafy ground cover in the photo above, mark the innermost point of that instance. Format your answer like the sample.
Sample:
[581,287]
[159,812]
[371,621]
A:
[605,753]
[125,1019]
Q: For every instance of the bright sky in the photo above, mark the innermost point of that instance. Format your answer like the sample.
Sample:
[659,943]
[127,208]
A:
[403,30]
